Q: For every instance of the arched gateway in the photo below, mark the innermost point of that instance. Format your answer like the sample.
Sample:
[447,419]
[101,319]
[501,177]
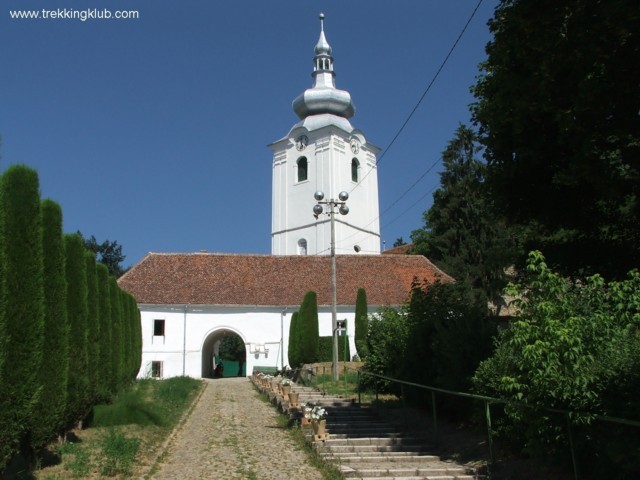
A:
[223,346]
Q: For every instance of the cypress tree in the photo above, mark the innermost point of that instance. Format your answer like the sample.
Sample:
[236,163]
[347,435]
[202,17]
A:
[21,306]
[138,335]
[93,326]
[104,307]
[126,337]
[49,413]
[117,364]
[294,341]
[309,335]
[77,309]
[361,323]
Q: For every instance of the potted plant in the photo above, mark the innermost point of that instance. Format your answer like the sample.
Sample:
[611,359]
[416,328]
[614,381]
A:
[318,417]
[285,385]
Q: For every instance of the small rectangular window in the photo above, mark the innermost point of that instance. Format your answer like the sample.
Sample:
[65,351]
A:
[156,369]
[158,328]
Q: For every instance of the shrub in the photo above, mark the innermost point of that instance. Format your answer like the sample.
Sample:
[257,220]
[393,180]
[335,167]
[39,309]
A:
[293,351]
[574,347]
[309,330]
[361,323]
[386,343]
[325,349]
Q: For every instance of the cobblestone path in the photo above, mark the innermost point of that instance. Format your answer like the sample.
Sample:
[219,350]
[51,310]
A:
[232,434]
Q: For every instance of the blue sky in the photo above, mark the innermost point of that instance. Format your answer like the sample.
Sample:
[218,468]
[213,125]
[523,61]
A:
[154,132]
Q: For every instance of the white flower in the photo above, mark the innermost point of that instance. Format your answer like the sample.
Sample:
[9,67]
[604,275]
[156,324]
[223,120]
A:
[314,412]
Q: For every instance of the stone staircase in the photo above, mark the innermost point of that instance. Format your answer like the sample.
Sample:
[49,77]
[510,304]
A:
[366,447]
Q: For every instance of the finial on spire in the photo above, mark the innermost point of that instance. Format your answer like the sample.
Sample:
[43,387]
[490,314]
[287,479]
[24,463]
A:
[322,46]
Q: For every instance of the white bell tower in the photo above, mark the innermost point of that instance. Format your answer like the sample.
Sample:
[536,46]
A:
[324,152]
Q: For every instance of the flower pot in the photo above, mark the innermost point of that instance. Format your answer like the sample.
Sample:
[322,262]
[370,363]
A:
[293,398]
[319,426]
[285,390]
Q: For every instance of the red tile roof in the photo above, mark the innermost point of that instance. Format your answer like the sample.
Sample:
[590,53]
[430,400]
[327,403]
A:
[227,279]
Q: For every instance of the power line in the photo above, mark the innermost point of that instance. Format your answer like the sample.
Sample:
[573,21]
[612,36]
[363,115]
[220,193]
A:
[424,94]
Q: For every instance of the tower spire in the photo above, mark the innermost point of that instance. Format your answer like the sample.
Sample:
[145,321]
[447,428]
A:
[323,96]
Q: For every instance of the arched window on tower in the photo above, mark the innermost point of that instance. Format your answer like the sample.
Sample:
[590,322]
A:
[355,166]
[302,246]
[302,169]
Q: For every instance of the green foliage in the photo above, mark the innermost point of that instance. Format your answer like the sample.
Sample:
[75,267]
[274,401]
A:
[557,107]
[232,348]
[48,417]
[361,323]
[105,350]
[147,402]
[79,465]
[118,453]
[386,343]
[574,346]
[21,305]
[176,391]
[325,349]
[77,308]
[293,351]
[309,329]
[462,233]
[117,337]
[399,242]
[129,408]
[107,253]
[93,327]
[450,333]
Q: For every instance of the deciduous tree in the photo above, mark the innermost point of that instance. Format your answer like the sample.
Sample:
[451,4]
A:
[557,107]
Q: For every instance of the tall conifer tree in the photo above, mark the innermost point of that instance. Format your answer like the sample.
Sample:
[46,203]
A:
[48,418]
[93,326]
[309,335]
[104,306]
[294,341]
[78,391]
[21,305]
[362,323]
[117,337]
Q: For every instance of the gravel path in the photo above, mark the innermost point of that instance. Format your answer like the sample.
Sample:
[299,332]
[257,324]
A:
[232,434]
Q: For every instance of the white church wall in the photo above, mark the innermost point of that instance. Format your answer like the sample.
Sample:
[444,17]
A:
[260,328]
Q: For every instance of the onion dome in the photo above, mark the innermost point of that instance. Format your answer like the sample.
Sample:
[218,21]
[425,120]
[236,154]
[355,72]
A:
[323,97]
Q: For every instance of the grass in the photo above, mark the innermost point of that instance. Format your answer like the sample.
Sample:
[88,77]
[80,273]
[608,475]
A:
[124,438]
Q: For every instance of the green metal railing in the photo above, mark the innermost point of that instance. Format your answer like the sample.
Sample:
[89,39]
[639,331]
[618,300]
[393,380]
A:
[487,402]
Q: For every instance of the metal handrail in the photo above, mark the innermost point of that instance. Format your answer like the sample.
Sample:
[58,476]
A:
[487,402]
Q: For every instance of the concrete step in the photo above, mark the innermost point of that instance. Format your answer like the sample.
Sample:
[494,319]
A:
[339,449]
[335,441]
[366,447]
[421,477]
[441,471]
[353,459]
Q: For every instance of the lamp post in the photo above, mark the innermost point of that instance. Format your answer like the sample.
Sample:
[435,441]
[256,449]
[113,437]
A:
[329,209]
